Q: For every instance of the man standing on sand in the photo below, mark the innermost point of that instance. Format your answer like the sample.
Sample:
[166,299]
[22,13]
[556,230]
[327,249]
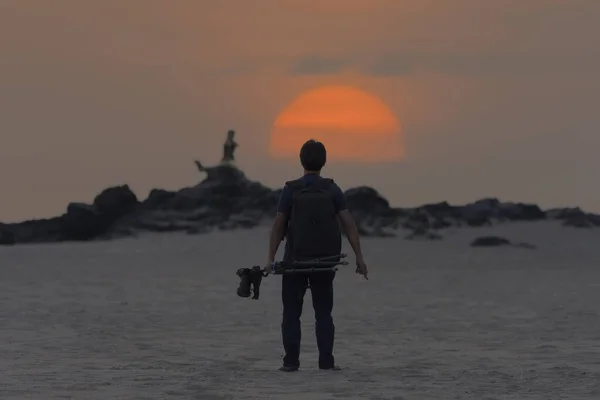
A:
[307,216]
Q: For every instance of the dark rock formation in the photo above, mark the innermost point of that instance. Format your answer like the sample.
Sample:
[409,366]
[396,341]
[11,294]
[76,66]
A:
[494,241]
[227,199]
[417,221]
[372,212]
[488,241]
[482,212]
[115,202]
[366,200]
[157,198]
[6,235]
[574,217]
[580,221]
[81,221]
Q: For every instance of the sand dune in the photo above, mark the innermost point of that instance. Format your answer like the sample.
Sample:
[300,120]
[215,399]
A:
[158,318]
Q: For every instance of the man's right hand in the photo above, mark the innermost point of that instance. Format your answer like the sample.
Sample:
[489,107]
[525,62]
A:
[361,268]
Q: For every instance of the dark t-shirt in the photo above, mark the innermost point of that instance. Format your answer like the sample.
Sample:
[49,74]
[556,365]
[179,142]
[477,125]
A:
[285,202]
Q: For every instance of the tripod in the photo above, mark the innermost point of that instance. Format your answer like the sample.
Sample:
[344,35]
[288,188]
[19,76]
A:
[251,278]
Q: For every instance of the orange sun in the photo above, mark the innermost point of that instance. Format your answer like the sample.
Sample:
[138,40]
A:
[352,124]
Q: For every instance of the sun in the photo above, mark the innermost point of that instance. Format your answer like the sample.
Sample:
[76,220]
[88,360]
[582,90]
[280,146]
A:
[354,126]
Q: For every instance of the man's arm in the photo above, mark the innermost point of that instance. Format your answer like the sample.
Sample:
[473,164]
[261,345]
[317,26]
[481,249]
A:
[280,224]
[277,234]
[351,233]
[347,222]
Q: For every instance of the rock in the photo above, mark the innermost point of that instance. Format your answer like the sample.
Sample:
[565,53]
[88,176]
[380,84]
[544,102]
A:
[574,217]
[477,220]
[578,221]
[440,223]
[371,212]
[488,241]
[224,173]
[442,209]
[481,208]
[157,198]
[226,199]
[85,222]
[7,237]
[37,231]
[478,213]
[520,212]
[418,220]
[564,213]
[492,241]
[366,200]
[116,201]
[227,190]
[483,211]
[82,222]
[594,219]
[430,216]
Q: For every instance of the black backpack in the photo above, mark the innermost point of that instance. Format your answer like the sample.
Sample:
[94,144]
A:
[313,229]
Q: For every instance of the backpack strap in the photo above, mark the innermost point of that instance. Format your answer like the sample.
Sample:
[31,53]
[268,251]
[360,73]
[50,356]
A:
[325,183]
[301,183]
[296,184]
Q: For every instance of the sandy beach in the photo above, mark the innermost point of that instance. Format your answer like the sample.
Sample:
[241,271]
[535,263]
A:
[157,317]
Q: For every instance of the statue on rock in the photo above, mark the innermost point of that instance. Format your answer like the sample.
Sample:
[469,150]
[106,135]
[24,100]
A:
[228,152]
[226,169]
[229,148]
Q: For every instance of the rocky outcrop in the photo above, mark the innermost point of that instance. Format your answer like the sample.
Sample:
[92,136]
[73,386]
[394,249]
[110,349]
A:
[494,241]
[575,217]
[6,235]
[489,241]
[81,221]
[226,199]
[372,213]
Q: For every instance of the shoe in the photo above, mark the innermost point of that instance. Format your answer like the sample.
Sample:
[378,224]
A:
[332,368]
[289,368]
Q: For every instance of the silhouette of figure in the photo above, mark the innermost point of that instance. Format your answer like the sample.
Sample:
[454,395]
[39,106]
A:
[229,148]
[228,153]
[201,167]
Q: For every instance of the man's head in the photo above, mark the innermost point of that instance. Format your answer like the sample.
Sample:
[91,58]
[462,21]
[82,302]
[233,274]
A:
[313,156]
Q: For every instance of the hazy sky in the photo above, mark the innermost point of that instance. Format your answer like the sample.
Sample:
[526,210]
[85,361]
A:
[496,98]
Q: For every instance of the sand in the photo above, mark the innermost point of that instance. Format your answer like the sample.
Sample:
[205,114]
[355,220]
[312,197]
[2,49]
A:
[158,318]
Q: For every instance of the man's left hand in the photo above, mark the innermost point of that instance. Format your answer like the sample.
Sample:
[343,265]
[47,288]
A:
[268,269]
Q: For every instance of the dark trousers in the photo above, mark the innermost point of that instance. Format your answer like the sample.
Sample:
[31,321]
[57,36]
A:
[293,290]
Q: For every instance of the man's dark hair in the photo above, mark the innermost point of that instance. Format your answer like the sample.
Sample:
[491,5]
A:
[313,155]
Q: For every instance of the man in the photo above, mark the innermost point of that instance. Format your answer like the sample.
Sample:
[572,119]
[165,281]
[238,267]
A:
[307,215]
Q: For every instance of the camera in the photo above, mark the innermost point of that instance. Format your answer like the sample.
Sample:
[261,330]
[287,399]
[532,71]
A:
[250,279]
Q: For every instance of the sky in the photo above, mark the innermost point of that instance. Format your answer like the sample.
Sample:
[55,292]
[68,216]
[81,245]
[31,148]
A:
[495,98]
